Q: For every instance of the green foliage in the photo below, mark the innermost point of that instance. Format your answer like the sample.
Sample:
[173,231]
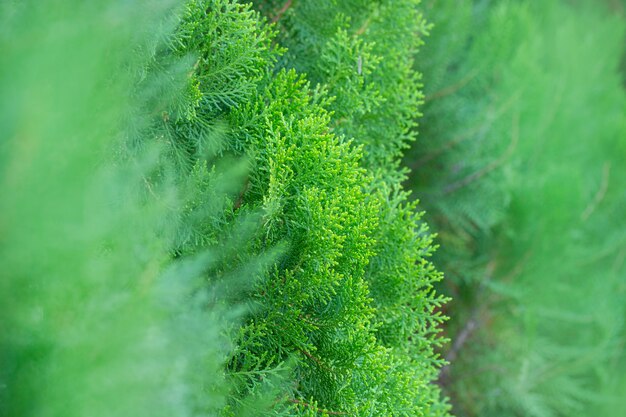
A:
[205,215]
[314,326]
[99,318]
[363,53]
[521,176]
[156,159]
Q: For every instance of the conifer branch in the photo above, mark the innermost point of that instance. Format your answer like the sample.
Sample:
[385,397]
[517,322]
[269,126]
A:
[597,199]
[451,89]
[315,359]
[318,410]
[282,11]
[465,135]
[363,27]
[242,194]
[518,268]
[490,167]
[468,329]
[447,146]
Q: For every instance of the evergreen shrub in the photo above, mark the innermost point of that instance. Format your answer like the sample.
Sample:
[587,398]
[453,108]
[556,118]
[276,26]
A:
[346,320]
[98,316]
[229,234]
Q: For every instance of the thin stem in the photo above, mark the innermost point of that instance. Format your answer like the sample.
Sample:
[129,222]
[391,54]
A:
[604,186]
[451,89]
[490,167]
[282,11]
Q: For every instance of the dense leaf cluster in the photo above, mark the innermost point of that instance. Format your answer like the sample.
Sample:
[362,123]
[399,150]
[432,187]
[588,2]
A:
[97,318]
[344,321]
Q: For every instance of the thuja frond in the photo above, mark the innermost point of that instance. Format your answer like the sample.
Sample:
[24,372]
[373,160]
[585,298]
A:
[206,217]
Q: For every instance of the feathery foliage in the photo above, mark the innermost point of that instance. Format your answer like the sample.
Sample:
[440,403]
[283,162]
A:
[521,176]
[313,315]
[99,317]
[124,120]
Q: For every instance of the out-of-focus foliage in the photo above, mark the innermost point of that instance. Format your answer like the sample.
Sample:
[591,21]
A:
[521,168]
[102,315]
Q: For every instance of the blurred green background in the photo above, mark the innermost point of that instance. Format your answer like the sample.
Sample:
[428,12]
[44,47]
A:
[521,168]
[96,316]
